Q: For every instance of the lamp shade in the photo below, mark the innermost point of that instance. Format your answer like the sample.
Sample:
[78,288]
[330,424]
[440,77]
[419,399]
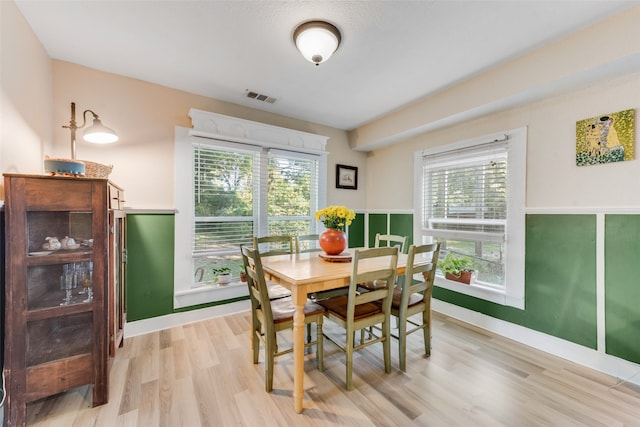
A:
[317,40]
[99,134]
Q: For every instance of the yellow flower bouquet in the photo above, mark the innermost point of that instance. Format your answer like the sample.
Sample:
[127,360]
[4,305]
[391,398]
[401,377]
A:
[335,217]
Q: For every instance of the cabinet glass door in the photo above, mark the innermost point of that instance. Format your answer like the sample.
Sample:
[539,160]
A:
[59,273]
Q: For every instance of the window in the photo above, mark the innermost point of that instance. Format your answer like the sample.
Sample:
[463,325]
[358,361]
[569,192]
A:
[292,193]
[472,202]
[223,209]
[229,185]
[230,189]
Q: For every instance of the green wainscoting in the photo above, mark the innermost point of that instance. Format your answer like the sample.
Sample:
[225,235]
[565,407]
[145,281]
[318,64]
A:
[150,263]
[150,243]
[377,224]
[356,233]
[399,224]
[622,286]
[560,274]
[560,280]
[402,225]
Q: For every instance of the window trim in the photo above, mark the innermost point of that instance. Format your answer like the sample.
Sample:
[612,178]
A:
[225,131]
[513,293]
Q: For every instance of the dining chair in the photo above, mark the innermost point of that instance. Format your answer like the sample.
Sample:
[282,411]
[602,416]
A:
[357,311]
[382,240]
[274,245]
[307,243]
[268,317]
[414,297]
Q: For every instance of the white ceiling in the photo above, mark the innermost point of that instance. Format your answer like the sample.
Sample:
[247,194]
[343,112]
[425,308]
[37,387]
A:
[392,53]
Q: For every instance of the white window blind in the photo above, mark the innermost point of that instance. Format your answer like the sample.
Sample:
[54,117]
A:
[469,197]
[223,199]
[292,193]
[241,191]
[465,193]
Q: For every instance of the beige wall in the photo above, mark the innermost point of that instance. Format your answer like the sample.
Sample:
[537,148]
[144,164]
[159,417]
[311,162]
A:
[553,179]
[26,84]
[35,105]
[144,115]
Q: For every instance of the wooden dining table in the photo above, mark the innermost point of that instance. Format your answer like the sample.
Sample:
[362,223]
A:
[306,273]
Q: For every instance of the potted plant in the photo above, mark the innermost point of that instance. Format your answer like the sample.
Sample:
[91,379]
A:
[222,275]
[458,267]
[238,266]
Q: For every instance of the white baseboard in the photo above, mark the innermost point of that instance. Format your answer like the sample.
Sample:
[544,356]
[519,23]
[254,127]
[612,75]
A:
[593,359]
[140,327]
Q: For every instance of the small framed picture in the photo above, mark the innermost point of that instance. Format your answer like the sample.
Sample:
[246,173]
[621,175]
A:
[347,177]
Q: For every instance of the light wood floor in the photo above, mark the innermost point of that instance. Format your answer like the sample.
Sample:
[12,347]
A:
[201,374]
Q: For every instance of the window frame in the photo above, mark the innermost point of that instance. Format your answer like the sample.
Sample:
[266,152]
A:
[258,137]
[513,292]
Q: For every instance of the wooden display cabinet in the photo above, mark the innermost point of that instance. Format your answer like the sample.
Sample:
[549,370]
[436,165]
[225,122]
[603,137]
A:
[64,307]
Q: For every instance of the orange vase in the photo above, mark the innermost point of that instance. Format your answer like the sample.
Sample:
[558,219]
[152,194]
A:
[333,242]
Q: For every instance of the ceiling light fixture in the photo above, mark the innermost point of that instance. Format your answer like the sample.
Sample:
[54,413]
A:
[96,133]
[317,40]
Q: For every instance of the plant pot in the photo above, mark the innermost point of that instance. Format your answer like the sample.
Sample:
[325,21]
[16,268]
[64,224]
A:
[243,276]
[224,279]
[466,277]
[333,242]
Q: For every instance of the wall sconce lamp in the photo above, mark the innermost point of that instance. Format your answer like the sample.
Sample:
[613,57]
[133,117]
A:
[97,133]
[317,40]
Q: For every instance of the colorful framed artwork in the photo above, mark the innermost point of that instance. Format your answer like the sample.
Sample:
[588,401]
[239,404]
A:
[347,177]
[605,139]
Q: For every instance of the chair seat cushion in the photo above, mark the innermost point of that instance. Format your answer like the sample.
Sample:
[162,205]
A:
[283,309]
[331,293]
[338,306]
[373,286]
[277,291]
[397,297]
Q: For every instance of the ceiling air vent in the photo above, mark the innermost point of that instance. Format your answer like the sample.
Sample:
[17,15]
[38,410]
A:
[260,97]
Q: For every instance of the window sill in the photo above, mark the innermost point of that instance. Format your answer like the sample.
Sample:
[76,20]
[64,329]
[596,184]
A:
[210,293]
[474,290]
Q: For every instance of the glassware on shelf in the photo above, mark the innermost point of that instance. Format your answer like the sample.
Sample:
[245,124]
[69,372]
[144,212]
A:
[80,279]
[74,275]
[87,280]
[66,283]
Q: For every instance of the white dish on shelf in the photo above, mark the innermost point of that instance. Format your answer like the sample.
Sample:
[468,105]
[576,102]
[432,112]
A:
[74,246]
[40,253]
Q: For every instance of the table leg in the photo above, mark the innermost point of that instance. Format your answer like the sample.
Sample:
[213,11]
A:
[299,299]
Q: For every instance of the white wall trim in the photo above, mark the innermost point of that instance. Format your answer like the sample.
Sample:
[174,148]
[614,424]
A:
[209,293]
[145,326]
[134,211]
[212,125]
[594,359]
[493,295]
[387,211]
[600,283]
[592,210]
